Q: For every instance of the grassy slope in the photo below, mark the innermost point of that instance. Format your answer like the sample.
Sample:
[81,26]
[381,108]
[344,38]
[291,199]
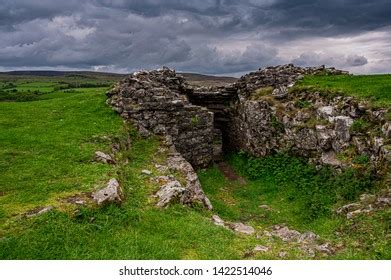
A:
[46,152]
[373,88]
[47,147]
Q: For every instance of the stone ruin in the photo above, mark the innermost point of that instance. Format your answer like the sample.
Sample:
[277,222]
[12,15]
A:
[259,114]
[157,102]
[272,117]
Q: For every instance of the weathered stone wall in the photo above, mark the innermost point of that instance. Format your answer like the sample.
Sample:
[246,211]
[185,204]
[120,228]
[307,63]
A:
[220,101]
[156,101]
[277,76]
[257,114]
[316,125]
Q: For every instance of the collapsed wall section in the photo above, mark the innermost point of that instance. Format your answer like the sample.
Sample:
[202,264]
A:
[156,101]
[328,129]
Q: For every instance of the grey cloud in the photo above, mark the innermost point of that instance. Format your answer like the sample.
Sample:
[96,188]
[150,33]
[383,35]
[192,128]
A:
[356,60]
[325,18]
[211,36]
[343,61]
[211,61]
[19,11]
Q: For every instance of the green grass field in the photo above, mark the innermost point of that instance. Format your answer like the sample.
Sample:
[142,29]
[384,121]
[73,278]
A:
[46,152]
[376,89]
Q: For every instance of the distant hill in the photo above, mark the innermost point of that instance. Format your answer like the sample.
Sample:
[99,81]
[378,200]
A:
[207,80]
[45,73]
[192,78]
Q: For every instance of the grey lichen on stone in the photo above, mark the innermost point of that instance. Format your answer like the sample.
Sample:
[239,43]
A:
[169,192]
[103,157]
[111,193]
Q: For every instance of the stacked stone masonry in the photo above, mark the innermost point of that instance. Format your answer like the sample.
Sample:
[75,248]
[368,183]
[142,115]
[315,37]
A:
[157,102]
[204,121]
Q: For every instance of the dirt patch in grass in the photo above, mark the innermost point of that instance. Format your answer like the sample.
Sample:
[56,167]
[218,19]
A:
[229,173]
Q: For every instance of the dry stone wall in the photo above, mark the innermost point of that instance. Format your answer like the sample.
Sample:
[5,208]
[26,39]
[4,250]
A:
[157,102]
[327,128]
[258,114]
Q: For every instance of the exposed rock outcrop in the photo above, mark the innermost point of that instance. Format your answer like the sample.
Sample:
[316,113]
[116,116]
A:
[367,204]
[193,191]
[180,182]
[38,211]
[236,227]
[308,242]
[170,192]
[111,193]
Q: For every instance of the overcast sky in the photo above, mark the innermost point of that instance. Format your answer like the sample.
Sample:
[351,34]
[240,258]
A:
[216,37]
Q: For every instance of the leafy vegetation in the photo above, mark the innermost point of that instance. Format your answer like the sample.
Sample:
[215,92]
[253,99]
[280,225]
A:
[359,125]
[301,197]
[361,159]
[303,104]
[313,191]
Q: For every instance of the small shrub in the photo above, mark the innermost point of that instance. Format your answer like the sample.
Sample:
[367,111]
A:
[195,121]
[360,126]
[303,104]
[314,191]
[277,125]
[361,159]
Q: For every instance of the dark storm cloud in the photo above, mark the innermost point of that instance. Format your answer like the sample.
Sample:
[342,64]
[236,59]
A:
[204,36]
[19,11]
[328,18]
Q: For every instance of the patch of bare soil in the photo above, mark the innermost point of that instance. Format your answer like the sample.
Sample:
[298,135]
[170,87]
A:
[229,173]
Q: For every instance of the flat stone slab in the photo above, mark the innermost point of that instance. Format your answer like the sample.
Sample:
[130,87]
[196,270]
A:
[218,221]
[38,211]
[242,228]
[260,248]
